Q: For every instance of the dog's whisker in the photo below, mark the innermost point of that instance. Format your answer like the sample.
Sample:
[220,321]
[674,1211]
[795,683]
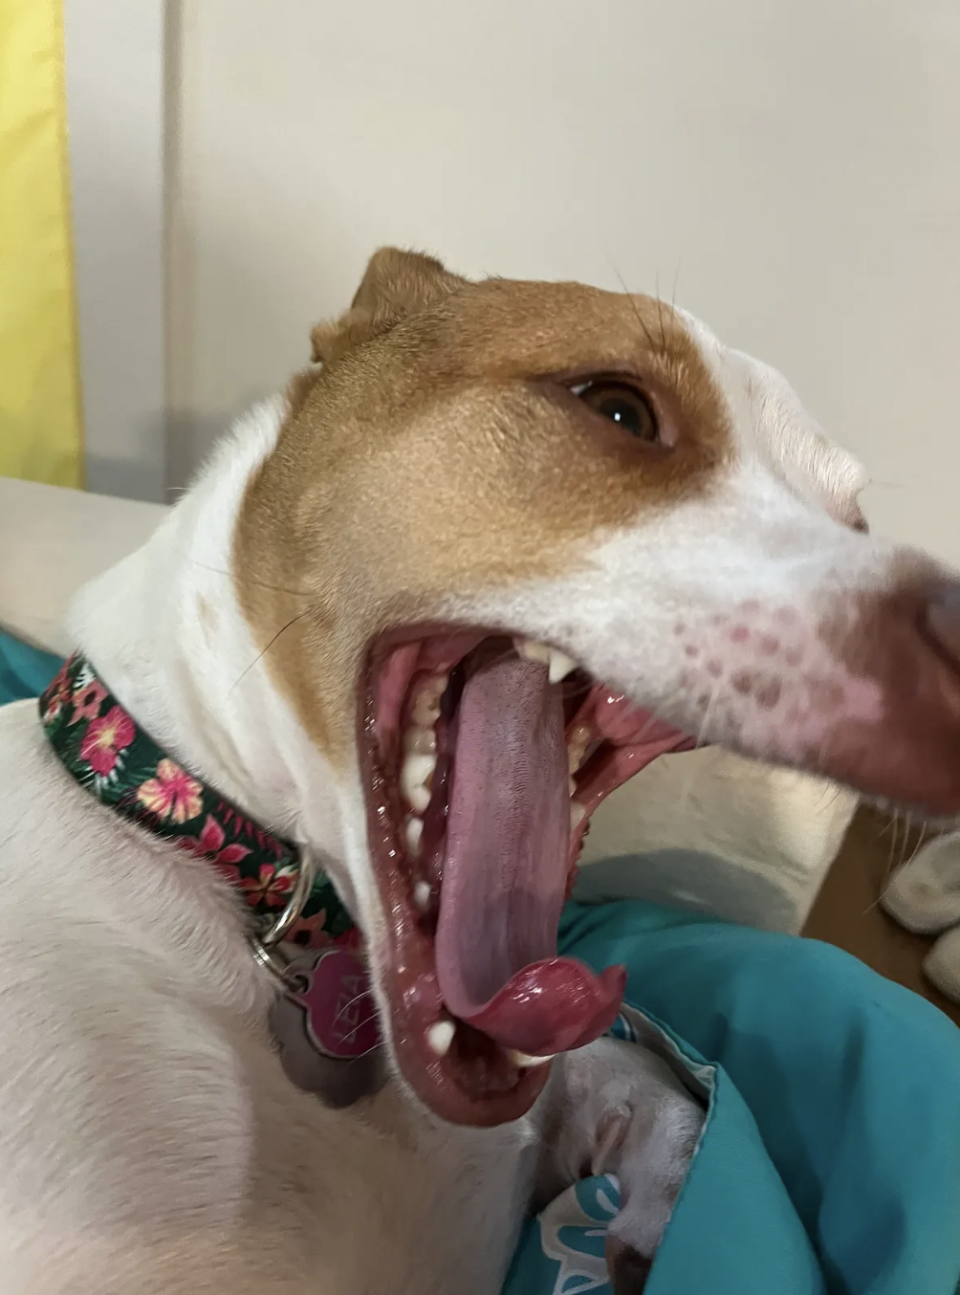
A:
[708,711]
[357,998]
[895,836]
[355,1031]
[375,1047]
[905,862]
[260,584]
[633,306]
[663,332]
[260,655]
[687,787]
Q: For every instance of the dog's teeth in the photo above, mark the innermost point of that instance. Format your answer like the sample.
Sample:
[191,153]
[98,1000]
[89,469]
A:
[414,776]
[560,665]
[440,1036]
[426,706]
[422,895]
[572,786]
[413,831]
[578,813]
[419,741]
[533,650]
[523,1060]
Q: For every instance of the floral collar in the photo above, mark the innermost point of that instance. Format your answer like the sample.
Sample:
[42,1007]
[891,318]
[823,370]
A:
[108,753]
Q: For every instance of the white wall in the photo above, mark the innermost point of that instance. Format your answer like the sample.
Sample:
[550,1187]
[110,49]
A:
[788,167]
[115,110]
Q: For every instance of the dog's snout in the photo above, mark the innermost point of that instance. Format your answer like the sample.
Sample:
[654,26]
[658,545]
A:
[943,620]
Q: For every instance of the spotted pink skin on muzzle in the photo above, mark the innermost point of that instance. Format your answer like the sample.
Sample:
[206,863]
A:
[866,693]
[762,678]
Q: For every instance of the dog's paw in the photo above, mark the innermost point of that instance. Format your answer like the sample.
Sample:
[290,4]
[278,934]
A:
[628,1268]
[620,1109]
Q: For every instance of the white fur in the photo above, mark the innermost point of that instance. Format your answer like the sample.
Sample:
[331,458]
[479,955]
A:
[149,1141]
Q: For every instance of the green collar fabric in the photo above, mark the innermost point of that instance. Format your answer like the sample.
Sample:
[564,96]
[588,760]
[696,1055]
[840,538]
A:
[107,752]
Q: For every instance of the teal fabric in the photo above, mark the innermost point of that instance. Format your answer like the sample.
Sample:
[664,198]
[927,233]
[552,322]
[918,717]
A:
[24,671]
[831,1156]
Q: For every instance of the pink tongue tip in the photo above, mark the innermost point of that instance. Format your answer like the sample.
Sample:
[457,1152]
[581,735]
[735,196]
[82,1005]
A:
[552,1006]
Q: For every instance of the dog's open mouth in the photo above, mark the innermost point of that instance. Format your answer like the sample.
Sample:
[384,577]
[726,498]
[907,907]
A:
[484,758]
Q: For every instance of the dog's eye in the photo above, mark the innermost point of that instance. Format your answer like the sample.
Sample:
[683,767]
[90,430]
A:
[623,404]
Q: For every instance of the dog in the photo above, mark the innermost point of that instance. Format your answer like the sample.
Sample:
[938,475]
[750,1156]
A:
[500,545]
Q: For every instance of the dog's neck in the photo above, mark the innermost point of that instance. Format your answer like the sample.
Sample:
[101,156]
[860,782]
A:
[165,631]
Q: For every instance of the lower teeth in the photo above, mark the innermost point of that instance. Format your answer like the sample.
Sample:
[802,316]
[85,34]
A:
[523,1061]
[440,1036]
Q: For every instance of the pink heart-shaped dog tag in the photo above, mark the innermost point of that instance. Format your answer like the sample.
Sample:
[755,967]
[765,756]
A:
[335,994]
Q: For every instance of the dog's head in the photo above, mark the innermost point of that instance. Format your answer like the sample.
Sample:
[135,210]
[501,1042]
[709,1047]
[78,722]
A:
[545,533]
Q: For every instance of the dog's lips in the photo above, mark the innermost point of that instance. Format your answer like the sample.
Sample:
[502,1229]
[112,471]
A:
[474,890]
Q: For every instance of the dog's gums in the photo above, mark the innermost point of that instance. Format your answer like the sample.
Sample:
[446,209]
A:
[484,756]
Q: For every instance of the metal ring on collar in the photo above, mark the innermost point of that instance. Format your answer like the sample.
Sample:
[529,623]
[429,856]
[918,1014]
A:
[264,943]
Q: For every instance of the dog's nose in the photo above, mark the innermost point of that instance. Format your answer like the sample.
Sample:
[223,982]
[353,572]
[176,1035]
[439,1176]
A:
[943,619]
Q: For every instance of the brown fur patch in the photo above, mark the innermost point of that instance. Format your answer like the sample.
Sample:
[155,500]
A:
[438,451]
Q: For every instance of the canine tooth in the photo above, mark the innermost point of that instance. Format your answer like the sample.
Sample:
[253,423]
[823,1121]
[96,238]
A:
[571,785]
[421,895]
[440,1036]
[524,1061]
[419,741]
[533,650]
[415,772]
[413,830]
[578,813]
[560,665]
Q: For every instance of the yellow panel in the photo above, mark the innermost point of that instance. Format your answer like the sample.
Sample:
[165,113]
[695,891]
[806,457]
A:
[40,422]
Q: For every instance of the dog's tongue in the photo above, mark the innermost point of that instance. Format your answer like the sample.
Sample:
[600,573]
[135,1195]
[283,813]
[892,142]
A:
[505,872]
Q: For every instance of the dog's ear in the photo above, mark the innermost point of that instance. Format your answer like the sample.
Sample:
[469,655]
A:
[396,284]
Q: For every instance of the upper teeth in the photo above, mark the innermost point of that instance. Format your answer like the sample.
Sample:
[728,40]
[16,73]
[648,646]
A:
[419,760]
[558,663]
[560,666]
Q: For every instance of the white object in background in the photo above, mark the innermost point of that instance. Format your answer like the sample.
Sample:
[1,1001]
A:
[924,895]
[52,542]
[718,834]
[115,117]
[942,964]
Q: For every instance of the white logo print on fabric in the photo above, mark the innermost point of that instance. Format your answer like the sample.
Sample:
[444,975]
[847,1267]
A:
[573,1230]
